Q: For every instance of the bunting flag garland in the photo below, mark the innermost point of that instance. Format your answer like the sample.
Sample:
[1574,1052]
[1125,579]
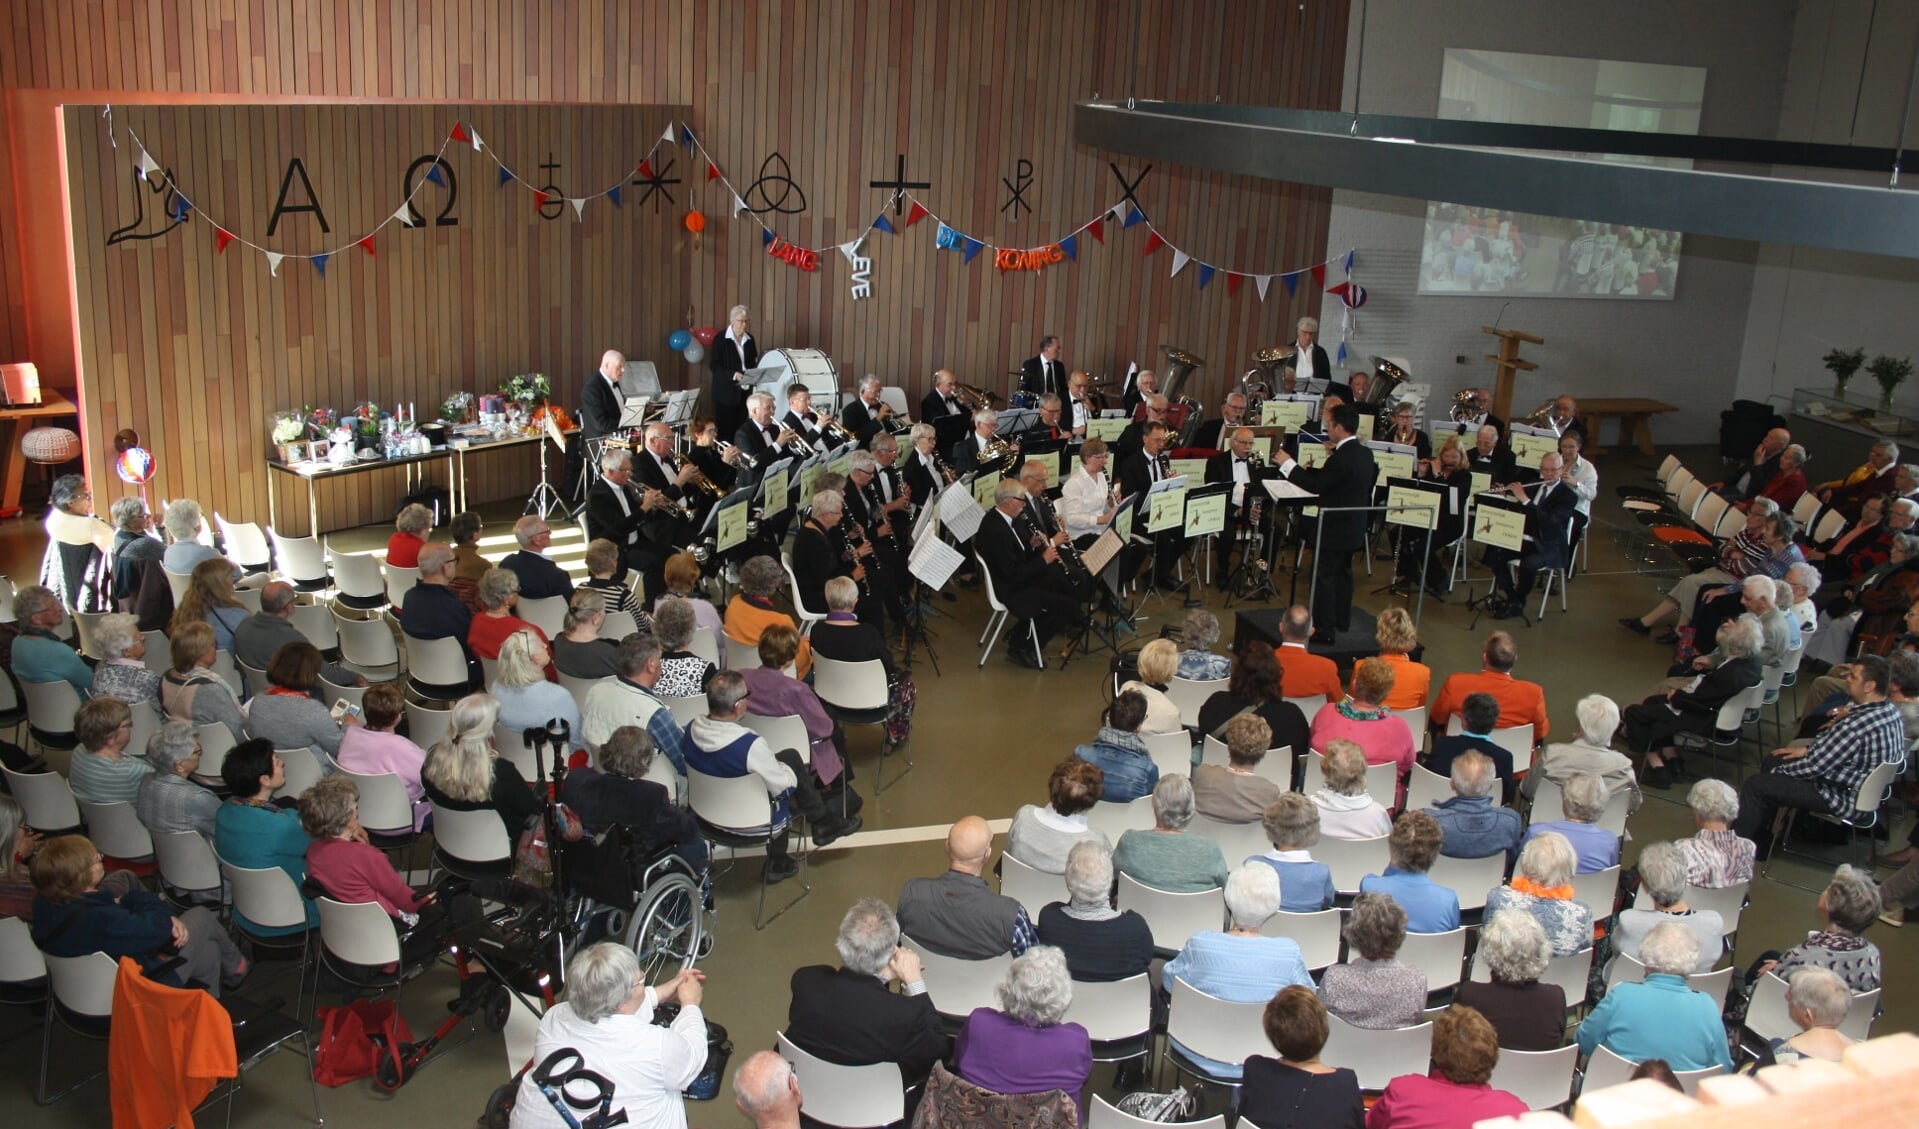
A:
[366,244]
[767,236]
[739,205]
[1118,211]
[402,215]
[613,194]
[1319,274]
[1292,282]
[666,138]
[434,174]
[645,169]
[972,248]
[916,213]
[319,265]
[222,237]
[476,140]
[1069,247]
[273,263]
[882,223]
[1094,229]
[539,198]
[1351,297]
[459,133]
[712,171]
[506,174]
[1262,281]
[1180,258]
[686,137]
[579,207]
[148,166]
[181,206]
[1233,281]
[1134,216]
[1205,275]
[1153,243]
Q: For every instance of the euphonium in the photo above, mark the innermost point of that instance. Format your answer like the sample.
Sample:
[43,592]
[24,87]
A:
[1465,406]
[975,398]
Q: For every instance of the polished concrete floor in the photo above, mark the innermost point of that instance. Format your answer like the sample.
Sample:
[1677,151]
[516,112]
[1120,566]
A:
[984,741]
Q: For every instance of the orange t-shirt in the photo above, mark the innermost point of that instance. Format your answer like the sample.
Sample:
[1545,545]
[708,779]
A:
[1303,674]
[1411,682]
[1519,701]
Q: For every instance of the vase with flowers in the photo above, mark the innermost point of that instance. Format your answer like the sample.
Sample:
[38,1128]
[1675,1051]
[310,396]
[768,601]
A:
[1843,363]
[1890,372]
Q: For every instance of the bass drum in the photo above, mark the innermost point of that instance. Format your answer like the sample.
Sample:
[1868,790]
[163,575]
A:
[808,367]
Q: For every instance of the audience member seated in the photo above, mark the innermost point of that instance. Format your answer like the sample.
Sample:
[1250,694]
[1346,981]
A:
[1241,965]
[608,1019]
[682,582]
[372,748]
[184,522]
[1198,662]
[539,577]
[1479,716]
[1168,856]
[102,771]
[464,772]
[351,870]
[1025,1046]
[608,580]
[1040,837]
[410,528]
[843,638]
[122,672]
[1869,479]
[38,654]
[209,599]
[1662,875]
[1361,719]
[775,693]
[1864,545]
[722,747]
[132,544]
[633,699]
[468,565]
[1234,792]
[1655,723]
[251,831]
[499,592]
[433,610]
[1542,886]
[192,692]
[527,700]
[1716,857]
[1254,685]
[578,650]
[1848,904]
[1519,701]
[956,914]
[1158,660]
[1371,989]
[1430,907]
[618,792]
[1346,809]
[1528,1013]
[18,842]
[1737,557]
[1716,605]
[767,1091]
[1473,826]
[1303,674]
[1398,638]
[1592,753]
[1661,1017]
[264,632]
[1583,799]
[288,715]
[1291,823]
[169,800]
[752,610]
[682,673]
[1817,1000]
[1296,1089]
[75,912]
[846,1015]
[1119,752]
[1100,943]
[1455,1093]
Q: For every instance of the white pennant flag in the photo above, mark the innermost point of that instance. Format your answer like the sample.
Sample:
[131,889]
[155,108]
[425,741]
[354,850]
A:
[148,166]
[403,213]
[667,137]
[739,205]
[851,247]
[475,135]
[1263,281]
[273,263]
[579,206]
[1180,259]
[1118,211]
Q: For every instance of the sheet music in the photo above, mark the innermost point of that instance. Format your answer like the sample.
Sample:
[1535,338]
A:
[1499,526]
[1102,551]
[1282,488]
[928,515]
[960,513]
[1167,497]
[1401,491]
[932,560]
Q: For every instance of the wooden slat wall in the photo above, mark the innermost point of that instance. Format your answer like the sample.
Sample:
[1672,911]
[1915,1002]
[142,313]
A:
[176,342]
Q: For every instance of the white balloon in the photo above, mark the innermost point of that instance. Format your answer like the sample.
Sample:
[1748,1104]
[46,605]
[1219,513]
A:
[694,353]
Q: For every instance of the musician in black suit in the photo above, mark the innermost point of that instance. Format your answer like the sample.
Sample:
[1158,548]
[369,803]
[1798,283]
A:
[1565,419]
[1344,479]
[1447,470]
[1137,474]
[1550,505]
[944,399]
[803,421]
[1483,414]
[1141,388]
[866,505]
[922,470]
[965,455]
[656,467]
[601,399]
[760,436]
[1490,455]
[1402,428]
[1044,373]
[1026,577]
[861,415]
[720,465]
[1309,361]
[1043,515]
[734,353]
[1216,433]
[821,552]
[1127,445]
[1050,423]
[639,521]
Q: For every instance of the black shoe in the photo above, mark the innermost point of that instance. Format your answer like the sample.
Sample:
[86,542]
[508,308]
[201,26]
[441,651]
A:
[779,870]
[1026,658]
[1633,625]
[1668,639]
[1658,776]
[969,579]
[834,829]
[1129,1075]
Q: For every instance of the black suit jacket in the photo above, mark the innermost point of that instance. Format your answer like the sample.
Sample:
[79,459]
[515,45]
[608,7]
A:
[855,418]
[726,362]
[1717,687]
[918,479]
[1212,433]
[660,525]
[934,406]
[1322,366]
[604,518]
[432,611]
[1548,524]
[851,1018]
[1219,468]
[1500,464]
[1015,564]
[965,454]
[539,577]
[817,558]
[1344,479]
[759,444]
[599,408]
[1032,378]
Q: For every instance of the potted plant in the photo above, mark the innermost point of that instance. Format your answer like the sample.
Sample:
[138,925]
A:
[1843,363]
[289,433]
[1890,372]
[528,389]
[457,408]
[366,427]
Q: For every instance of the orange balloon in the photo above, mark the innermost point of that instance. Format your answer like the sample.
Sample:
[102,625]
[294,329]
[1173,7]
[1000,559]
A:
[695,222]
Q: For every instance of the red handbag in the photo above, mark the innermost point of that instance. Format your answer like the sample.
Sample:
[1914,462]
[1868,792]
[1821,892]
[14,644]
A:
[356,1038]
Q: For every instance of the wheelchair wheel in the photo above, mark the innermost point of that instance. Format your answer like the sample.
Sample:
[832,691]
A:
[498,1006]
[499,1106]
[667,928]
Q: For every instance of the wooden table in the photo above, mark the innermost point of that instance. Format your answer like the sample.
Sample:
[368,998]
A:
[1635,420]
[51,405]
[413,464]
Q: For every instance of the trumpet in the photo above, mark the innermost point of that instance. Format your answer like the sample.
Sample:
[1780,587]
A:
[744,461]
[833,430]
[793,443]
[676,508]
[699,481]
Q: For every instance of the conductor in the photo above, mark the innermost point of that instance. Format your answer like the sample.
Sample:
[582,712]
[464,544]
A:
[1344,479]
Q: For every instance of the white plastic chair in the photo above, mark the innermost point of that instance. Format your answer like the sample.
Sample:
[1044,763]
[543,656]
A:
[399,581]
[547,613]
[50,710]
[618,625]
[1598,891]
[1729,903]
[386,811]
[784,732]
[367,647]
[808,616]
[704,644]
[1190,694]
[1442,956]
[82,989]
[1417,720]
[1425,788]
[1237,841]
[1768,1017]
[957,986]
[1541,1079]
[216,741]
[267,899]
[1310,704]
[303,772]
[1276,765]
[1382,780]
[735,812]
[1114,1011]
[471,842]
[1570,972]
[436,666]
[1624,968]
[357,933]
[855,694]
[87,624]
[1102,1114]
[46,800]
[359,582]
[1471,879]
[186,862]
[512,747]
[246,545]
[740,656]
[685,709]
[1317,934]
[1172,752]
[1549,806]
[1173,918]
[117,832]
[315,621]
[1377,1057]
[996,622]
[579,688]
[1352,859]
[850,1096]
[302,561]
[1117,819]
[1210,1027]
[1034,889]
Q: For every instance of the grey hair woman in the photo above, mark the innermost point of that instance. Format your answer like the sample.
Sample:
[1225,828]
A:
[1373,990]
[498,588]
[608,1016]
[123,672]
[464,773]
[1346,810]
[1166,857]
[1529,1014]
[1716,857]
[1052,1055]
[1100,943]
[1197,659]
[1291,823]
[1818,1002]
[682,673]
[763,576]
[1543,887]
[1662,875]
[1848,904]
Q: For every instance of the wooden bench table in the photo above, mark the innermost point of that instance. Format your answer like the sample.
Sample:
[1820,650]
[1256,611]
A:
[1635,420]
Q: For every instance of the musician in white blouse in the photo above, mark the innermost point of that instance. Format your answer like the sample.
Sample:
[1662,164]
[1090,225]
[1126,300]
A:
[1086,497]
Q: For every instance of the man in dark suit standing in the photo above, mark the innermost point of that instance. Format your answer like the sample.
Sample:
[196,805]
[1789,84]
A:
[733,354]
[1024,577]
[1309,361]
[1344,479]
[1548,524]
[1044,373]
[848,1016]
[601,399]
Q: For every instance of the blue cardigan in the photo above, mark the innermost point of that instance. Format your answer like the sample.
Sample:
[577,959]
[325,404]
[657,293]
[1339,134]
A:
[1660,1018]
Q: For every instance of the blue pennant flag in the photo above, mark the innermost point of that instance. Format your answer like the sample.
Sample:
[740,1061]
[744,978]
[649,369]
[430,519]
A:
[1292,281]
[613,193]
[1205,275]
[766,236]
[882,224]
[181,207]
[319,264]
[1133,216]
[1069,247]
[433,174]
[1341,359]
[686,137]
[972,248]
[1349,262]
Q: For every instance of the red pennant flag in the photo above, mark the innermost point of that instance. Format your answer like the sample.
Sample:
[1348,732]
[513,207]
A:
[1232,283]
[1093,229]
[916,213]
[459,133]
[645,170]
[1319,274]
[539,199]
[712,171]
[221,237]
[1153,243]
[366,244]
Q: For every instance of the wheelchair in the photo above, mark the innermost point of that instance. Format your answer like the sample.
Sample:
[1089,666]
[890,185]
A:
[655,902]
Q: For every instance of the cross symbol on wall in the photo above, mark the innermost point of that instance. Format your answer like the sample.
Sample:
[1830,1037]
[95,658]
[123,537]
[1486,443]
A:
[899,184]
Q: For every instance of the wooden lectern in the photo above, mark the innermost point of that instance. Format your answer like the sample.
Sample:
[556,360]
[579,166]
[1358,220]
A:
[1505,363]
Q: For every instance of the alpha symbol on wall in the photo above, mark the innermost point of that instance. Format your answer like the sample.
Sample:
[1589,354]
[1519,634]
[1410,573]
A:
[899,184]
[1127,189]
[141,190]
[774,174]
[1016,188]
[280,205]
[555,199]
[656,181]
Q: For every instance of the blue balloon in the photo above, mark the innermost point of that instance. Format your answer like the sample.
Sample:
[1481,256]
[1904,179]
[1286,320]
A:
[679,340]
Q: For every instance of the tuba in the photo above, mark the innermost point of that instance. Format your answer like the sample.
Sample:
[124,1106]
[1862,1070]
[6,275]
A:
[1542,417]
[1387,377]
[1179,365]
[1465,407]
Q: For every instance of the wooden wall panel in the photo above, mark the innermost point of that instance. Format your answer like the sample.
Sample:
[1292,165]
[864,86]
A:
[174,339]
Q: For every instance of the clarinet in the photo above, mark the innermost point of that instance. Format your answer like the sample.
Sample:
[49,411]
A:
[855,537]
[1069,554]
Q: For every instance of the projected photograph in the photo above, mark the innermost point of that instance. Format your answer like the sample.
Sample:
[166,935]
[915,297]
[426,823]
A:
[1469,249]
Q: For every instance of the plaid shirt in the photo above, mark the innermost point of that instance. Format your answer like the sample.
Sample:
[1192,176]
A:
[1846,752]
[1024,935]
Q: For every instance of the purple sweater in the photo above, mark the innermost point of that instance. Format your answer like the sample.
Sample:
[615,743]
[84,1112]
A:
[999,1053]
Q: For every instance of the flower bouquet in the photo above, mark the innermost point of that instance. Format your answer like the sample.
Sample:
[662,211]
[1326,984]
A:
[1843,363]
[1890,372]
[529,389]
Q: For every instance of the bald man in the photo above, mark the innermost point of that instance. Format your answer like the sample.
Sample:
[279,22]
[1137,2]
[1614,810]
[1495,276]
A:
[766,1090]
[601,399]
[943,400]
[957,914]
